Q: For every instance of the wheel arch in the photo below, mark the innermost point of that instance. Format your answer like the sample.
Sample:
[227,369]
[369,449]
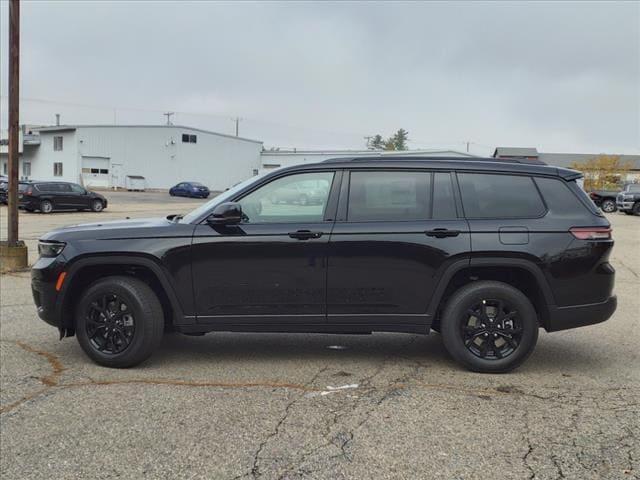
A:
[85,271]
[522,274]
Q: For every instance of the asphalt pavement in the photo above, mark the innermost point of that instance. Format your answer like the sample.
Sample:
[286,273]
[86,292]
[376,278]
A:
[285,406]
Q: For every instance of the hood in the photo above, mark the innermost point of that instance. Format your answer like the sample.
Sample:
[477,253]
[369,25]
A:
[137,228]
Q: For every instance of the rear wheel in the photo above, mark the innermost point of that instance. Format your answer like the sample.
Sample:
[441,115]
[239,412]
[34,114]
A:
[119,322]
[97,205]
[46,206]
[489,327]
[608,206]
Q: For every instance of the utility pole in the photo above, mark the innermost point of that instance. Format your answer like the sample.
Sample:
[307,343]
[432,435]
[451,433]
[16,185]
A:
[237,120]
[468,147]
[14,138]
[169,115]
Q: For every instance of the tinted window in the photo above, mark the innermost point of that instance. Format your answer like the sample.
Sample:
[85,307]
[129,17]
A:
[559,198]
[633,188]
[295,198]
[499,196]
[444,205]
[77,188]
[389,196]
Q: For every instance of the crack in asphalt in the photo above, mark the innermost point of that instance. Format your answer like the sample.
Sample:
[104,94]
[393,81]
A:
[255,469]
[52,380]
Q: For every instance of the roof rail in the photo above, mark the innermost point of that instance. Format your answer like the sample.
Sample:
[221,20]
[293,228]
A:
[409,158]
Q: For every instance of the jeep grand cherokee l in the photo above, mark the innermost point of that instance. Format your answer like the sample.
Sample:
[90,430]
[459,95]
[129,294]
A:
[485,252]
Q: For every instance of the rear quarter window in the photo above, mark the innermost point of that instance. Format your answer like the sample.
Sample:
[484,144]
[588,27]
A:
[499,196]
[565,198]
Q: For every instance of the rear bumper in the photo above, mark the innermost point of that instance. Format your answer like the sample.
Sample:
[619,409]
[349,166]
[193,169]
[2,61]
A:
[563,318]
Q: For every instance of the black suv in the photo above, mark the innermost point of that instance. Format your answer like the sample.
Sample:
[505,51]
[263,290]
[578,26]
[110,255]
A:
[49,196]
[485,252]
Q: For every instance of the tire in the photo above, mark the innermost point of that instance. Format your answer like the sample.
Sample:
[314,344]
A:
[608,206]
[456,320]
[636,209]
[97,206]
[46,206]
[146,316]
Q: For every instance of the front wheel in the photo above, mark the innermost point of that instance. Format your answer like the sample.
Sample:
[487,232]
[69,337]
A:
[119,321]
[608,206]
[97,206]
[489,327]
[636,209]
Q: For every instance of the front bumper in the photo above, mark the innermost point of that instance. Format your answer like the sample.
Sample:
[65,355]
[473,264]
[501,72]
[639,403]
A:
[44,275]
[563,318]
[624,205]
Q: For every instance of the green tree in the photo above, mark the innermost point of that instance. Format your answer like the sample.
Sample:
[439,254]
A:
[377,143]
[400,139]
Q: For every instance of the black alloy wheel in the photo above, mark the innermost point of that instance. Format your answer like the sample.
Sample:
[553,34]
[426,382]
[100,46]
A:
[110,324]
[489,326]
[119,321]
[492,329]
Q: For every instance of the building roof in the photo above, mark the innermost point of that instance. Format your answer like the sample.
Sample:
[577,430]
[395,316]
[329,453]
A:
[515,152]
[62,128]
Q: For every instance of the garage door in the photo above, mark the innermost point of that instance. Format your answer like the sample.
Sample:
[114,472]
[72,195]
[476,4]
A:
[95,172]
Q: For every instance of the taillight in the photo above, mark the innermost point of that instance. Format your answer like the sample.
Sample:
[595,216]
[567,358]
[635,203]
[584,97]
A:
[593,195]
[591,233]
[29,191]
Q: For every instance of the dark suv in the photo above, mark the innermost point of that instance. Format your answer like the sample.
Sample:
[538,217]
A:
[49,196]
[485,252]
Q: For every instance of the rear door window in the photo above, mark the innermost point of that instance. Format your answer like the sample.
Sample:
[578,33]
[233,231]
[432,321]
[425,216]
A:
[389,196]
[499,196]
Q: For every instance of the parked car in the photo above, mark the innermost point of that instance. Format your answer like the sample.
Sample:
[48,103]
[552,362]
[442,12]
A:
[605,199]
[4,186]
[628,201]
[50,196]
[485,252]
[309,193]
[189,189]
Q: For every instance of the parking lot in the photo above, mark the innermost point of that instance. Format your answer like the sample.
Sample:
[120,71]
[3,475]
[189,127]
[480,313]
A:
[289,406]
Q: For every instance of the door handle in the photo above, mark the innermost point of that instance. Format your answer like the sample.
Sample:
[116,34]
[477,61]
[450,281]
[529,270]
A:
[442,233]
[305,234]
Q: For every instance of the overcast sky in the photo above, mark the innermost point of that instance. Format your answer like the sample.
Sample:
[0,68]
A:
[562,77]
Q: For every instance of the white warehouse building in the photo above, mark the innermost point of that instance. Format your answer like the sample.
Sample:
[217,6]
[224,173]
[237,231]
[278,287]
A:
[157,156]
[107,155]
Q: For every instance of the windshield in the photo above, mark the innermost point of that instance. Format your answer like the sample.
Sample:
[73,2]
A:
[223,197]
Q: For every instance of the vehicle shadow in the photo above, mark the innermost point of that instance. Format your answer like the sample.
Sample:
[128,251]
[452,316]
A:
[551,356]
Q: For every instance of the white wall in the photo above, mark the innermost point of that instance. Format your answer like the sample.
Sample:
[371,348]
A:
[158,154]
[44,156]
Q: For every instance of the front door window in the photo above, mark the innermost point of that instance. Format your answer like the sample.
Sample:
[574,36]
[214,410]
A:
[298,198]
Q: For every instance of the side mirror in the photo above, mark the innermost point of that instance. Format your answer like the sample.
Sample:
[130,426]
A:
[228,213]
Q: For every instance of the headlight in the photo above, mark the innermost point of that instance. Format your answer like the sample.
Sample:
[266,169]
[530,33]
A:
[50,249]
